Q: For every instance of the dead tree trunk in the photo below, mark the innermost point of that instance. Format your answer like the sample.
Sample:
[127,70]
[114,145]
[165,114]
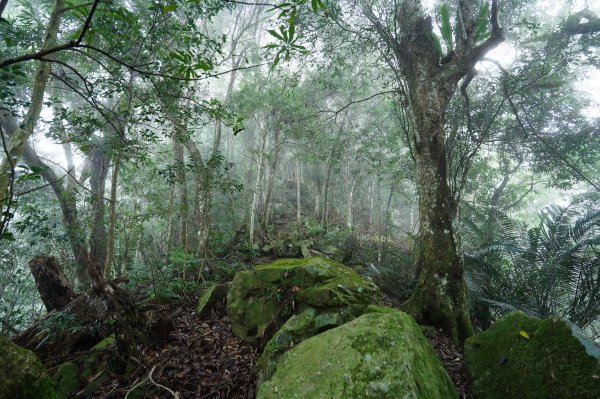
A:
[51,282]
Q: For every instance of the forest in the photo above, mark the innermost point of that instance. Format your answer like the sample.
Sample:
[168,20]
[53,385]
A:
[299,199]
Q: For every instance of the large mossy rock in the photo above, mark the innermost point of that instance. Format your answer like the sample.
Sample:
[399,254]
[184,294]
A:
[259,301]
[22,375]
[381,354]
[524,357]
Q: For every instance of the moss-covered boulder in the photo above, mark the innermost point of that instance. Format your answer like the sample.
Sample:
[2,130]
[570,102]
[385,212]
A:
[22,375]
[524,357]
[209,298]
[259,301]
[379,355]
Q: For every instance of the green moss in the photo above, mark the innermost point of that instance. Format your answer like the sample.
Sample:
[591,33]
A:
[22,375]
[209,297]
[67,379]
[556,361]
[381,354]
[260,300]
[87,372]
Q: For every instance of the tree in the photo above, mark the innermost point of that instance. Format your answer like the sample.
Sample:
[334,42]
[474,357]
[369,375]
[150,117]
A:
[428,80]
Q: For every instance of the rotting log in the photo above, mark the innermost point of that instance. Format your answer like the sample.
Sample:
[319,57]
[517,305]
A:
[52,284]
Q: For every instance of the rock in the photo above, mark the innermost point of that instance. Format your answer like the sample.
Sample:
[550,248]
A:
[209,298]
[381,354]
[22,375]
[259,301]
[298,328]
[524,357]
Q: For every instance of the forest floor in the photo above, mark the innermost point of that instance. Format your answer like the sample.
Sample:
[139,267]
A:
[204,359]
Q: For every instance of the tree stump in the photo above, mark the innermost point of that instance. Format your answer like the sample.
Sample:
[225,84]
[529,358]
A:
[52,284]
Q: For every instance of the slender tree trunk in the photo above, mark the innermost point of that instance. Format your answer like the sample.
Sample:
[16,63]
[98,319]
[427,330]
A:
[112,219]
[326,190]
[388,216]
[255,194]
[180,229]
[350,212]
[379,243]
[298,202]
[271,180]
[18,140]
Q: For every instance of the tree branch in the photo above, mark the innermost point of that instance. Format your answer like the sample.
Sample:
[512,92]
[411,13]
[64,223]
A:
[40,54]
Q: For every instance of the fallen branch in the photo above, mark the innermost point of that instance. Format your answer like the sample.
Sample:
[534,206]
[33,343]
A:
[149,378]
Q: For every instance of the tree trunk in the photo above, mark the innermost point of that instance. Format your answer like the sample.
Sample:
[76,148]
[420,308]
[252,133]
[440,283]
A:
[255,193]
[180,227]
[440,297]
[298,202]
[112,219]
[350,212]
[326,190]
[429,80]
[50,281]
[19,139]
[271,180]
[66,199]
[98,234]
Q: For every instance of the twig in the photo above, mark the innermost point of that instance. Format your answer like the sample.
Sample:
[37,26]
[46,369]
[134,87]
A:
[175,394]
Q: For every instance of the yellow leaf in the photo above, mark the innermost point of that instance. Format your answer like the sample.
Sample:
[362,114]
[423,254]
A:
[523,334]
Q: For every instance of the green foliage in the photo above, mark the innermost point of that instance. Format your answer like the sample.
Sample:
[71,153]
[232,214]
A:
[61,324]
[446,28]
[481,24]
[548,270]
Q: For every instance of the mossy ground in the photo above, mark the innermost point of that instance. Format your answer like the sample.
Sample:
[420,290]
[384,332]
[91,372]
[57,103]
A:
[22,375]
[524,357]
[381,355]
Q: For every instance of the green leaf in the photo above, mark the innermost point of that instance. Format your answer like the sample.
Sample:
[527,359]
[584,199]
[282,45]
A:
[169,7]
[38,169]
[275,34]
[315,5]
[481,24]
[436,44]
[446,28]
[284,33]
[276,60]
[8,236]
[292,26]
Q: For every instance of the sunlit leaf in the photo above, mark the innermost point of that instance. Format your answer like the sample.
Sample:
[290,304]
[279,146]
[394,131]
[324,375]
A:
[523,334]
